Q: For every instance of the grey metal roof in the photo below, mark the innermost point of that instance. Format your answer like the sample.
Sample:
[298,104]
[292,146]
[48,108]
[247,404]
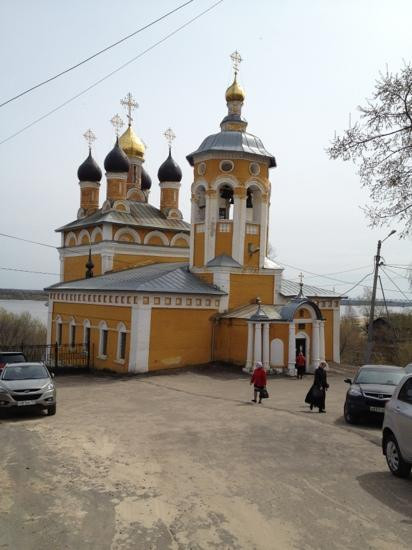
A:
[271,312]
[223,260]
[229,140]
[141,215]
[290,288]
[162,277]
[288,311]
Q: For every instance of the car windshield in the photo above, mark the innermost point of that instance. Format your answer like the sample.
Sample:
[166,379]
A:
[18,358]
[385,378]
[28,372]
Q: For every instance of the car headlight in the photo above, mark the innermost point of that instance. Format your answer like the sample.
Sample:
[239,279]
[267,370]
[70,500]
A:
[49,387]
[355,392]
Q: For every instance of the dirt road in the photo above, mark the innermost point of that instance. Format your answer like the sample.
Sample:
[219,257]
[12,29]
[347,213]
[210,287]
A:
[186,461]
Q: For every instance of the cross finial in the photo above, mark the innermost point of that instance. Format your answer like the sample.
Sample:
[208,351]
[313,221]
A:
[129,103]
[90,137]
[236,60]
[301,279]
[170,136]
[117,123]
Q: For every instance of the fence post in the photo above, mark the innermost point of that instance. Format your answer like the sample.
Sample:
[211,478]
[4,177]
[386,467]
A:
[56,353]
[88,354]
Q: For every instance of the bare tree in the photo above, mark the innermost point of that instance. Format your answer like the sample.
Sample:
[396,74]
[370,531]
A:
[381,145]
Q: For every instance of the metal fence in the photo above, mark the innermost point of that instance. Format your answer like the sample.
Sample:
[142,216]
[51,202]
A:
[55,356]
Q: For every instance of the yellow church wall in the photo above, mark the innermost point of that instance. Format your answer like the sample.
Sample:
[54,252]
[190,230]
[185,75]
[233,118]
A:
[223,241]
[231,341]
[181,243]
[75,267]
[240,170]
[245,288]
[251,260]
[328,316]
[179,337]
[95,314]
[199,251]
[206,277]
[125,261]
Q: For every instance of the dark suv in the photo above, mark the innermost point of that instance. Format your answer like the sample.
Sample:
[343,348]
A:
[11,357]
[370,390]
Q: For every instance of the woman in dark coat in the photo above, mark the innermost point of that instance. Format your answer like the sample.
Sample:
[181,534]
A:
[317,394]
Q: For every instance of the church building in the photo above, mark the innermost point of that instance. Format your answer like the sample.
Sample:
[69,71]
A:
[145,290]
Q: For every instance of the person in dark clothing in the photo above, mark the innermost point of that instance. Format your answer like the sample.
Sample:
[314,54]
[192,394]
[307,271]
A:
[259,380]
[300,365]
[317,394]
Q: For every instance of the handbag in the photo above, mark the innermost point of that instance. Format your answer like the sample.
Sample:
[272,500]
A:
[264,394]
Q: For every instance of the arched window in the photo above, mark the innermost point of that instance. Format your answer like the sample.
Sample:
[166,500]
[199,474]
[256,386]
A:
[121,342]
[103,339]
[200,204]
[72,333]
[86,334]
[253,204]
[225,202]
[59,330]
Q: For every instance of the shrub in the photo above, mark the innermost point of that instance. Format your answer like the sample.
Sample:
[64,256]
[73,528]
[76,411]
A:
[16,329]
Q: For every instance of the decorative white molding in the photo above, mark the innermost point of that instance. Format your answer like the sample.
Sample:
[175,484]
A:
[96,231]
[122,203]
[222,280]
[123,247]
[83,233]
[49,321]
[127,231]
[292,350]
[69,237]
[141,321]
[170,185]
[178,236]
[116,175]
[159,234]
[89,184]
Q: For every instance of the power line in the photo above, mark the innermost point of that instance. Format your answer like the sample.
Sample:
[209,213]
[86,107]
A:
[357,284]
[393,282]
[141,54]
[338,272]
[28,271]
[141,29]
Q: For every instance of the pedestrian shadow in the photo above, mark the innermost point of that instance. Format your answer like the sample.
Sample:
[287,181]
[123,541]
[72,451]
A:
[393,492]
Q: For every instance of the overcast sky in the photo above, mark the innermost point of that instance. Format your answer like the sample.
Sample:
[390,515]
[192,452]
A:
[306,66]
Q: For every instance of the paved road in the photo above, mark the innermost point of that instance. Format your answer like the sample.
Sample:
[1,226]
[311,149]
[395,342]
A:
[186,461]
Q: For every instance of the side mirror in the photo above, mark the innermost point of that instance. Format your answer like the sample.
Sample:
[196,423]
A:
[348,380]
[52,374]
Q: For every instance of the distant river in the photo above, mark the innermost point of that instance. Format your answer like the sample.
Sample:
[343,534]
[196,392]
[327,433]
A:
[36,308]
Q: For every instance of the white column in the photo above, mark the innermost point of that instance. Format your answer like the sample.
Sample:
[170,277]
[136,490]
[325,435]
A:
[210,225]
[222,280]
[258,343]
[192,232]
[249,358]
[292,350]
[315,346]
[264,221]
[140,338]
[266,346]
[322,340]
[239,228]
[49,321]
[336,335]
[107,262]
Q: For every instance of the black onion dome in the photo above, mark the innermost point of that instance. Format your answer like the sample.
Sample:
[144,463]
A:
[89,170]
[146,180]
[116,160]
[169,170]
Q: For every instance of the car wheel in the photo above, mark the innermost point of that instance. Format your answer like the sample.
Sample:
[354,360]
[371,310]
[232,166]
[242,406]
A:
[396,463]
[51,410]
[350,417]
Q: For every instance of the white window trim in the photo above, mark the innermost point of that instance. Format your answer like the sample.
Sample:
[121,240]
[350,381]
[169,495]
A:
[121,328]
[102,326]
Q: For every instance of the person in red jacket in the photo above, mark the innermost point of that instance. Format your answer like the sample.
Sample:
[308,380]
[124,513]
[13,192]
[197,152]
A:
[300,365]
[259,380]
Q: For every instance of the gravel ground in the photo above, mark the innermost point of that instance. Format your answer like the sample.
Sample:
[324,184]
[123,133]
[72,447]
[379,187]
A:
[186,461]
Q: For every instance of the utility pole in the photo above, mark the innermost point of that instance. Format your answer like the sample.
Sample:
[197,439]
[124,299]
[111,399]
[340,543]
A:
[369,345]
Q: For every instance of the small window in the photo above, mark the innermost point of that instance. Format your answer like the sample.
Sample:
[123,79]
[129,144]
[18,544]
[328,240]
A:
[226,166]
[201,169]
[105,333]
[301,326]
[122,350]
[405,393]
[254,168]
[59,333]
[72,335]
[86,336]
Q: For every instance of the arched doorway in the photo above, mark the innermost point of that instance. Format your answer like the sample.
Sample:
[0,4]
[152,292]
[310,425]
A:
[303,344]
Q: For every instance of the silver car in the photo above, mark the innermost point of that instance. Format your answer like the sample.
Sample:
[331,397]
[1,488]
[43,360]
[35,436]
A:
[397,429]
[27,385]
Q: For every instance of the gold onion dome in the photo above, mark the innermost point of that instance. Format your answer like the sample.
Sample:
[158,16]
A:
[235,92]
[131,144]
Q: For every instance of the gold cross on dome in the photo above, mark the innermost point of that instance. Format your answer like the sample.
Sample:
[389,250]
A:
[129,103]
[90,137]
[170,136]
[117,123]
[236,60]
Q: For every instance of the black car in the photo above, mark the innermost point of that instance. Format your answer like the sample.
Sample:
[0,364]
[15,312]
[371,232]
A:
[370,390]
[11,357]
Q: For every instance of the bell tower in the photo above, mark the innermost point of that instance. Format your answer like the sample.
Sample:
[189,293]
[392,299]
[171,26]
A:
[231,191]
